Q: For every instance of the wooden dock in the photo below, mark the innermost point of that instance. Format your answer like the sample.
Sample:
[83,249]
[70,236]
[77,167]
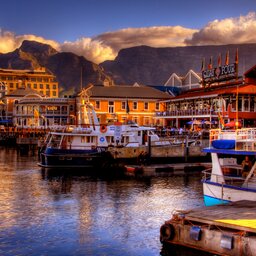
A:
[164,169]
[222,229]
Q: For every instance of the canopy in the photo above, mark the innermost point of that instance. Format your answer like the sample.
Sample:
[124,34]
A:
[194,122]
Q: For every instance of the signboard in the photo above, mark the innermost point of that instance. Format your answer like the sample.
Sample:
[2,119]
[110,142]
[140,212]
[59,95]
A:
[224,72]
[118,132]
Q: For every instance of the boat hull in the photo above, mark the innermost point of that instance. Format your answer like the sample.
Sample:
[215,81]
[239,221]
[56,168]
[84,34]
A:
[59,158]
[215,193]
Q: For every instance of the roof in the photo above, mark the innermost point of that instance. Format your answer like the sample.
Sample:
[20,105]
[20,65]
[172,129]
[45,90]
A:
[21,92]
[140,92]
[219,90]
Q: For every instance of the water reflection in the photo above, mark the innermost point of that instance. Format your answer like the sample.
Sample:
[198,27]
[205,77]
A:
[47,212]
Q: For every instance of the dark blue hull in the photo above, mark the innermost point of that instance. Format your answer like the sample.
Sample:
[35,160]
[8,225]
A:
[64,158]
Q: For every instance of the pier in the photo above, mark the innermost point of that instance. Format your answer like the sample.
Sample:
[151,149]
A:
[228,229]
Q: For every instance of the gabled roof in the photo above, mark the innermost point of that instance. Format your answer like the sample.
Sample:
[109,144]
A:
[21,92]
[132,92]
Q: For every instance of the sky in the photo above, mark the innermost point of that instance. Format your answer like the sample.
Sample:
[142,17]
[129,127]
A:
[98,29]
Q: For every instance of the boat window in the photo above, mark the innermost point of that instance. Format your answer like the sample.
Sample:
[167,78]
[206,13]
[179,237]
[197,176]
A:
[85,139]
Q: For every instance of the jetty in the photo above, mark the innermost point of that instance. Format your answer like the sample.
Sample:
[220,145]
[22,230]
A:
[227,229]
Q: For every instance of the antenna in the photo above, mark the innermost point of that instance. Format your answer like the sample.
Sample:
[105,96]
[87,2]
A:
[81,82]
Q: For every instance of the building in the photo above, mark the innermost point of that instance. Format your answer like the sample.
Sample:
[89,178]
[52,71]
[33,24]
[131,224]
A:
[183,83]
[121,103]
[216,103]
[38,79]
[27,108]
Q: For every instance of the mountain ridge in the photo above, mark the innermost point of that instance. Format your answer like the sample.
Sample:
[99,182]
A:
[141,64]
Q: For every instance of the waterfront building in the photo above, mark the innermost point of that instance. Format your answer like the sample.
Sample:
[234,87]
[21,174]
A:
[39,80]
[31,109]
[217,103]
[26,108]
[137,103]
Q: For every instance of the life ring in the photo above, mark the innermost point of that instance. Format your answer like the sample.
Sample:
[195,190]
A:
[167,232]
[103,128]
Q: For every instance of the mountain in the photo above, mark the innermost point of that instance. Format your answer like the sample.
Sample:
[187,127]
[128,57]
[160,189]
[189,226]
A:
[153,66]
[142,64]
[68,68]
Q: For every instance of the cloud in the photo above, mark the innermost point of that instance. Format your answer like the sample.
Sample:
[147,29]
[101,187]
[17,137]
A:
[152,36]
[93,50]
[9,41]
[106,46]
[239,30]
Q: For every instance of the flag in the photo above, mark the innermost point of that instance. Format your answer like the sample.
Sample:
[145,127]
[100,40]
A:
[210,63]
[203,64]
[227,58]
[236,59]
[219,60]
[127,107]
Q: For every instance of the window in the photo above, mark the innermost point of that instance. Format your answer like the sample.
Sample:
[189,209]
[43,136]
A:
[123,105]
[41,86]
[145,105]
[157,106]
[135,105]
[47,86]
[54,86]
[54,94]
[97,104]
[11,85]
[111,107]
[35,86]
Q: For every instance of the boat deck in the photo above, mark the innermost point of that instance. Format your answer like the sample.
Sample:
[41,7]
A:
[239,215]
[226,229]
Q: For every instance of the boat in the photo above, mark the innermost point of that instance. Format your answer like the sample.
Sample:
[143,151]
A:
[76,146]
[224,182]
[94,145]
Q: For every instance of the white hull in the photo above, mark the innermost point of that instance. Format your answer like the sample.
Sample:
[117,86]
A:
[227,193]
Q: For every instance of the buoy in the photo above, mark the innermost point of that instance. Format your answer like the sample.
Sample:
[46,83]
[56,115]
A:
[103,128]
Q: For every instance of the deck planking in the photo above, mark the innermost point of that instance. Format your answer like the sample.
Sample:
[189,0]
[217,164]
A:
[239,215]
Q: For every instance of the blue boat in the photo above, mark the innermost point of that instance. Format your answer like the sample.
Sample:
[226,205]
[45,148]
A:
[225,182]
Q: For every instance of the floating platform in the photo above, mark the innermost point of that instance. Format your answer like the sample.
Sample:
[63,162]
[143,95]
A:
[228,229]
[163,169]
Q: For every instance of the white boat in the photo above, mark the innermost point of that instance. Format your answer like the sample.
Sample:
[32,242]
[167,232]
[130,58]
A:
[95,145]
[224,183]
[76,146]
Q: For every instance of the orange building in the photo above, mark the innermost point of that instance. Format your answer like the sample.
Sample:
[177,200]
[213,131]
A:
[38,79]
[122,103]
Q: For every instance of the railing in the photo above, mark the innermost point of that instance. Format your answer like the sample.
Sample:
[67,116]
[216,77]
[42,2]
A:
[228,179]
[188,112]
[245,138]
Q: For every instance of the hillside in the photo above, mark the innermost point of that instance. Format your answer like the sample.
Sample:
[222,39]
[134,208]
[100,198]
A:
[153,66]
[142,64]
[67,67]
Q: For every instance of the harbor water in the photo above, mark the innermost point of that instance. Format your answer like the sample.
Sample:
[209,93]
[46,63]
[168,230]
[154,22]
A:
[75,213]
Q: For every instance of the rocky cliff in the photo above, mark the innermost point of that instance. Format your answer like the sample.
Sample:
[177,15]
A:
[153,66]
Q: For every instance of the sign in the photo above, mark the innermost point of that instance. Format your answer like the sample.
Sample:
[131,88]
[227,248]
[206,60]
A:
[118,132]
[224,72]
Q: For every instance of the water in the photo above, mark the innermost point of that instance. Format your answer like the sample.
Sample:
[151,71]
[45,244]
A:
[56,213]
